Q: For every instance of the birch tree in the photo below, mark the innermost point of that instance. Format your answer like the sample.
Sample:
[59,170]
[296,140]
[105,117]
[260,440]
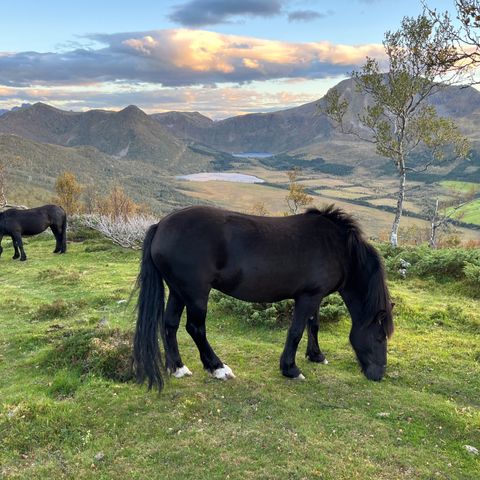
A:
[463,31]
[398,120]
[3,184]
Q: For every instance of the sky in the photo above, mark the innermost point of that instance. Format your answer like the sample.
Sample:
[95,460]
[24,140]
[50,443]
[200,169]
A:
[218,57]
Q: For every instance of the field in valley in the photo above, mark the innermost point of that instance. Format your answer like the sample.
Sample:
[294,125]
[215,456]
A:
[368,200]
[69,409]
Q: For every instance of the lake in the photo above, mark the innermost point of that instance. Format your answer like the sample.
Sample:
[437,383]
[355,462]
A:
[223,177]
[253,155]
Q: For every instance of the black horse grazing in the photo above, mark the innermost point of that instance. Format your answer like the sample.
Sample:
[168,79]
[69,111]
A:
[258,259]
[16,223]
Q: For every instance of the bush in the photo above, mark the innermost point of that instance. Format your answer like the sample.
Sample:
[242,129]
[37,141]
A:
[57,309]
[128,233]
[105,352]
[472,274]
[447,262]
[277,314]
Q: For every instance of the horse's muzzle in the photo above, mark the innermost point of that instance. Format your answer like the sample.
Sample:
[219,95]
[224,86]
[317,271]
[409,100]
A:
[375,372]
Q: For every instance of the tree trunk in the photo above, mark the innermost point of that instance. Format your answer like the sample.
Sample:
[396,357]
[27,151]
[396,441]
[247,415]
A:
[399,209]
[433,228]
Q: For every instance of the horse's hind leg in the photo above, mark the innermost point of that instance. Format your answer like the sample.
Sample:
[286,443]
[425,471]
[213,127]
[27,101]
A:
[173,313]
[18,246]
[196,315]
[58,238]
[314,353]
[16,253]
[305,307]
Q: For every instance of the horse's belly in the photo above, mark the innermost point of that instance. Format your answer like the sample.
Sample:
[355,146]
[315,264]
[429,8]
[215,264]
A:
[255,287]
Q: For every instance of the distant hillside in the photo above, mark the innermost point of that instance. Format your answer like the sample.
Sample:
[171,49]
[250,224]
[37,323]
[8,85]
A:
[275,132]
[129,134]
[23,105]
[33,168]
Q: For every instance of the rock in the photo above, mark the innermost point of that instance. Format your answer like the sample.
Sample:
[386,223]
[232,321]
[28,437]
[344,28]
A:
[470,449]
[99,456]
[103,322]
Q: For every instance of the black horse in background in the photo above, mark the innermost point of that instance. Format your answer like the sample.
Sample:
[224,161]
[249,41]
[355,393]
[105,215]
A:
[258,259]
[16,223]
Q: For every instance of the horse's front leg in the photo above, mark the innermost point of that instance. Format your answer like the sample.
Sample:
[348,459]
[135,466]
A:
[314,354]
[18,246]
[305,307]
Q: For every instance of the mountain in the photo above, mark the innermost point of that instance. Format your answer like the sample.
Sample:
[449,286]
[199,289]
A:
[301,134]
[23,105]
[258,132]
[129,133]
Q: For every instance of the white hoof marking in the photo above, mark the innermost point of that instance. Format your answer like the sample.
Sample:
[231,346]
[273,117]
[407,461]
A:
[223,373]
[301,376]
[325,361]
[182,372]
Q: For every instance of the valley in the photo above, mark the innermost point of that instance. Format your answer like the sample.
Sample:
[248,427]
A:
[147,154]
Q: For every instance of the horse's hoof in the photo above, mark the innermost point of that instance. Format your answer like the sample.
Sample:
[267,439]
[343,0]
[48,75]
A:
[23,259]
[300,376]
[223,373]
[317,358]
[182,372]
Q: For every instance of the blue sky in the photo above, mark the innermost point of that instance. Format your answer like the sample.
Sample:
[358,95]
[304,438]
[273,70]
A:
[215,56]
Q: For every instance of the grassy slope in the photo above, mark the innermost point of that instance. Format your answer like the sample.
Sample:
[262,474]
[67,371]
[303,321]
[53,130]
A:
[336,425]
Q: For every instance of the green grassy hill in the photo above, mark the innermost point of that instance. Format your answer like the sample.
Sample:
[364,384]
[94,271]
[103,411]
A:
[33,168]
[68,410]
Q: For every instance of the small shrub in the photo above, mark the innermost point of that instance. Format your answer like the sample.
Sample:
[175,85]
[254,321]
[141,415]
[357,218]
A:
[332,309]
[472,274]
[105,352]
[126,232]
[98,247]
[60,275]
[79,232]
[56,309]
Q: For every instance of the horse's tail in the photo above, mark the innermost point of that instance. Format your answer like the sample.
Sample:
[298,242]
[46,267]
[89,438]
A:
[146,350]
[64,233]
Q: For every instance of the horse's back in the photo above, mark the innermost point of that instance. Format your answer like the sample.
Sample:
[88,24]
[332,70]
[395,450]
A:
[34,220]
[251,257]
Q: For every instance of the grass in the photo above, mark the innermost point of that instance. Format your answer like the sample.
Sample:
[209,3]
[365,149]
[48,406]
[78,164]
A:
[69,410]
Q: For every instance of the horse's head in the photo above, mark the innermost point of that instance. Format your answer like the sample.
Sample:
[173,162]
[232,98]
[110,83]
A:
[370,343]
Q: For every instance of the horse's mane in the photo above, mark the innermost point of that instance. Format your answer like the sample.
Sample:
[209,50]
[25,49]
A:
[364,260]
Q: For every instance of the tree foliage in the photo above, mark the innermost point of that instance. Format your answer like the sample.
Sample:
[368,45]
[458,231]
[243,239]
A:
[463,31]
[397,119]
[68,192]
[296,198]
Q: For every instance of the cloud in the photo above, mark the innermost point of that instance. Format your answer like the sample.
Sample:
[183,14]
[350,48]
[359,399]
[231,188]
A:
[306,15]
[198,13]
[182,57]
